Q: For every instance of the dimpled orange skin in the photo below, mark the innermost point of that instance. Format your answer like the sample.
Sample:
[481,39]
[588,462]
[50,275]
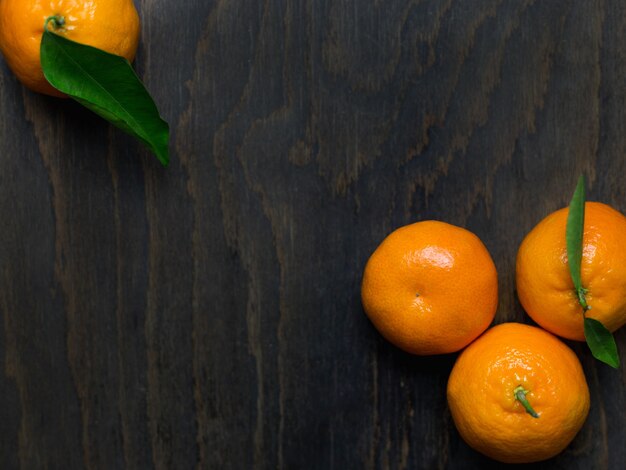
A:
[430,288]
[544,285]
[110,25]
[482,402]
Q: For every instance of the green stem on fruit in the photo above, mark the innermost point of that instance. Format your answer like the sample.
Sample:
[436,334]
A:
[520,395]
[57,21]
[582,300]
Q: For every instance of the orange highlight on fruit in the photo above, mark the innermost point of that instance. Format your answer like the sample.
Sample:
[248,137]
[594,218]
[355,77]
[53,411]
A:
[110,25]
[544,285]
[507,366]
[430,288]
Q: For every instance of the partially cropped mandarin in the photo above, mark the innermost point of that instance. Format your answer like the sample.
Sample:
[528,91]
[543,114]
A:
[518,394]
[110,25]
[430,288]
[544,285]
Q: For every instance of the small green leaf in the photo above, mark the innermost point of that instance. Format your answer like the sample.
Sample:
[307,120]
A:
[574,233]
[107,85]
[601,342]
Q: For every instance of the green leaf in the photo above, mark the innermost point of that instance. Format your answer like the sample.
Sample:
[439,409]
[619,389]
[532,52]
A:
[107,85]
[601,342]
[574,239]
[574,232]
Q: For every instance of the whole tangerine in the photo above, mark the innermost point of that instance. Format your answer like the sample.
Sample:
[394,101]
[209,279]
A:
[518,394]
[110,25]
[430,288]
[544,285]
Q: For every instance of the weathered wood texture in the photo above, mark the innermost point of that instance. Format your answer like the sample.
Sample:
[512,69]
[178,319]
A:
[208,315]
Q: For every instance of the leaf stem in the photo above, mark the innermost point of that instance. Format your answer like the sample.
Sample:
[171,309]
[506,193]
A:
[520,395]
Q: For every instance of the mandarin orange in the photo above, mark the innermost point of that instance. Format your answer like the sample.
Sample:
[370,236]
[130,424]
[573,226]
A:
[110,25]
[430,288]
[544,285]
[518,394]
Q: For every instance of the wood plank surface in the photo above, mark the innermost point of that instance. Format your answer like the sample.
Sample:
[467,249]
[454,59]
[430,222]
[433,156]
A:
[208,315]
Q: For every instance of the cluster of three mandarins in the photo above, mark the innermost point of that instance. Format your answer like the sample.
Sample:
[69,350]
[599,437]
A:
[517,393]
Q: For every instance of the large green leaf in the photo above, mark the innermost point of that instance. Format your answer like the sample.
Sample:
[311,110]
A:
[106,84]
[601,342]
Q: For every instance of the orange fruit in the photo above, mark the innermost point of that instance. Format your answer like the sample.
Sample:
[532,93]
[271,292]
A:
[110,25]
[430,288]
[509,364]
[544,285]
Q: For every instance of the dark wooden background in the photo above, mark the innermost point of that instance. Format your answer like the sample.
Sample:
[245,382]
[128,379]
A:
[208,315]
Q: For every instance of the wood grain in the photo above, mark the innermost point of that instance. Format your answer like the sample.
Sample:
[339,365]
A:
[208,315]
